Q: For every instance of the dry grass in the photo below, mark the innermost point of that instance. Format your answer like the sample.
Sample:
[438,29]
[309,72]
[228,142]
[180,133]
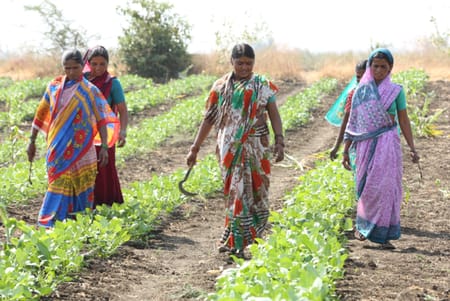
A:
[30,65]
[278,64]
[295,65]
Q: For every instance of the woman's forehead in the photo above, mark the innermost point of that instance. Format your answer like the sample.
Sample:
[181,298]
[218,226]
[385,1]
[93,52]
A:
[377,60]
[244,59]
[71,62]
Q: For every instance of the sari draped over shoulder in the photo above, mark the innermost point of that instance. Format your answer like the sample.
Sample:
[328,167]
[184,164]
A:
[376,145]
[69,114]
[243,153]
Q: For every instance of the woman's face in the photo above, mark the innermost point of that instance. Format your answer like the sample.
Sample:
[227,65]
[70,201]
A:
[98,65]
[359,74]
[243,67]
[380,69]
[73,69]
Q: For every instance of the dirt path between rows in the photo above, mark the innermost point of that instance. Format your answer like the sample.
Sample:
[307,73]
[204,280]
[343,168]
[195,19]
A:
[181,262]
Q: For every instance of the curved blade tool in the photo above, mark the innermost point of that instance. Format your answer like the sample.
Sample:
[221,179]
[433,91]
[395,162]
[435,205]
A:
[180,184]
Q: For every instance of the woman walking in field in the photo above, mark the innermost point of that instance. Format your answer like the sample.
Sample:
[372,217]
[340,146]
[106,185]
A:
[372,134]
[70,114]
[107,186]
[237,106]
[360,68]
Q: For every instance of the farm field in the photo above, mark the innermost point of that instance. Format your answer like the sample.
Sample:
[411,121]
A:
[179,260]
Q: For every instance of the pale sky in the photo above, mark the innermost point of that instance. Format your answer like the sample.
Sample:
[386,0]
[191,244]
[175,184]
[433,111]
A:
[314,25]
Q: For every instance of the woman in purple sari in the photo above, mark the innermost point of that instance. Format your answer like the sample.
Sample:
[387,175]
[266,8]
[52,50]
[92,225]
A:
[372,135]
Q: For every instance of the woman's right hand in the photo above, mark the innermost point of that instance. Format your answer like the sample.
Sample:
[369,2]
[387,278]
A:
[31,151]
[346,161]
[103,156]
[333,152]
[191,158]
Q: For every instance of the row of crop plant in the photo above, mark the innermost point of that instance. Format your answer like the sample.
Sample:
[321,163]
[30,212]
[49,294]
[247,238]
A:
[317,212]
[34,262]
[14,138]
[305,252]
[16,170]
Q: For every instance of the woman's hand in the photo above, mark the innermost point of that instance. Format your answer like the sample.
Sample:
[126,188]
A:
[191,158]
[346,161]
[333,152]
[122,139]
[414,156]
[31,151]
[278,152]
[103,157]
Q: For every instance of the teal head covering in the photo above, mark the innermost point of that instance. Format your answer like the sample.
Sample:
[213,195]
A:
[385,51]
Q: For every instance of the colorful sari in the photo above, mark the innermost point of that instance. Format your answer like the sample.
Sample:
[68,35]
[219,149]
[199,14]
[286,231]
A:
[377,147]
[69,114]
[243,153]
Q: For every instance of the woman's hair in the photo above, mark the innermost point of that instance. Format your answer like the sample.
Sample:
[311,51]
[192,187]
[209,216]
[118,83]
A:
[72,54]
[97,51]
[361,65]
[382,53]
[243,49]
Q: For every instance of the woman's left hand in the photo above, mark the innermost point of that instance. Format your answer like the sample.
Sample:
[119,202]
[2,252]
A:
[103,157]
[122,140]
[278,152]
[346,161]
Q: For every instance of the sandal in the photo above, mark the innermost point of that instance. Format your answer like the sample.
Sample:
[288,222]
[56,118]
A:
[359,236]
[238,253]
[387,246]
[223,249]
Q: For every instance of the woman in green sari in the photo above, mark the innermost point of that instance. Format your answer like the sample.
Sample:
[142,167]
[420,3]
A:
[238,105]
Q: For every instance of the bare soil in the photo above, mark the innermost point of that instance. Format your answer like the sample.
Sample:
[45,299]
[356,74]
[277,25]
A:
[180,261]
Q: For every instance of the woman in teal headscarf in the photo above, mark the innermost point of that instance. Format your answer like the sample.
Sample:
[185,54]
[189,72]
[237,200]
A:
[372,135]
[342,107]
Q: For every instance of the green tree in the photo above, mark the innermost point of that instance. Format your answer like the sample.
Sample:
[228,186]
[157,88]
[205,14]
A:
[155,43]
[61,32]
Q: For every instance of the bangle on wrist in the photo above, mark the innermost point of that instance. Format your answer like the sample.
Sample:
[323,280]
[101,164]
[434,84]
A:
[104,146]
[345,153]
[123,133]
[32,139]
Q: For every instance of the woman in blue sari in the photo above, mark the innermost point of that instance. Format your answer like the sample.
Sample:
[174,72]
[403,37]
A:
[372,135]
[70,114]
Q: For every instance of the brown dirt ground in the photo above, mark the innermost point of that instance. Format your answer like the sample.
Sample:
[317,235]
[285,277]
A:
[180,260]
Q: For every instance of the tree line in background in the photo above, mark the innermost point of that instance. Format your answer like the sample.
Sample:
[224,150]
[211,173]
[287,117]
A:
[154,43]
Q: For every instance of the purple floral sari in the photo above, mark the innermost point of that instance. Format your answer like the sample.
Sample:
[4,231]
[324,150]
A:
[376,144]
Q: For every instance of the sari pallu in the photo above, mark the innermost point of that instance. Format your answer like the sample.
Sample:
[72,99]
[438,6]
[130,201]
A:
[376,144]
[70,113]
[243,154]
